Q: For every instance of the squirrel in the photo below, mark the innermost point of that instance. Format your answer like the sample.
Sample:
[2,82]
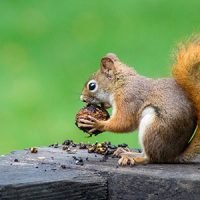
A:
[166,111]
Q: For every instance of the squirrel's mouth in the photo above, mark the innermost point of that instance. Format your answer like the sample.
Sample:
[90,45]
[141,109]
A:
[95,102]
[105,105]
[102,105]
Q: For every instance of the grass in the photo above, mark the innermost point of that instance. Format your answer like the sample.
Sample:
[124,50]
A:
[48,49]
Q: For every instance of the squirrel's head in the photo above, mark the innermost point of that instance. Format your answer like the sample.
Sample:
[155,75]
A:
[99,88]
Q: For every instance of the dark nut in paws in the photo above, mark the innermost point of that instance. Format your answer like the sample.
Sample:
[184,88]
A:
[93,111]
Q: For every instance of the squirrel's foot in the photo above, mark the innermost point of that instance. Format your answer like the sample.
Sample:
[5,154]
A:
[130,159]
[94,124]
[120,151]
[141,160]
[126,160]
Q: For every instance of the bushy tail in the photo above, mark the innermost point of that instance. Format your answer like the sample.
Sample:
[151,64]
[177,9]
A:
[186,71]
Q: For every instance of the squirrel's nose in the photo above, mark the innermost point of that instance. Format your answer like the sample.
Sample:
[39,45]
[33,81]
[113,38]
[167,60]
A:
[82,98]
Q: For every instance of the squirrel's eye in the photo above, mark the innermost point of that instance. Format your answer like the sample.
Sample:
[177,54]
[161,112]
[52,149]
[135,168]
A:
[92,86]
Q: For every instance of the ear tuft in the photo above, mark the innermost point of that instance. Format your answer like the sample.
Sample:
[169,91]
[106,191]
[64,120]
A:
[107,67]
[112,56]
[107,62]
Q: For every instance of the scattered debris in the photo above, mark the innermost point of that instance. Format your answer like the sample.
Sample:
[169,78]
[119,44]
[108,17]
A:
[71,151]
[55,145]
[74,145]
[63,166]
[65,147]
[104,148]
[82,145]
[112,146]
[34,150]
[41,158]
[78,161]
[67,142]
[123,145]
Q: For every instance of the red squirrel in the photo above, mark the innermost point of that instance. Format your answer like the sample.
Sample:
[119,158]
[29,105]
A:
[166,111]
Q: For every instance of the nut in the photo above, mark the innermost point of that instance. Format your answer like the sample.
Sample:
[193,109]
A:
[67,142]
[93,111]
[99,145]
[101,150]
[82,145]
[65,147]
[91,149]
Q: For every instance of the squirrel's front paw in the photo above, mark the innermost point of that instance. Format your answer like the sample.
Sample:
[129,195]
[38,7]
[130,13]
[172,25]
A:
[93,124]
[126,160]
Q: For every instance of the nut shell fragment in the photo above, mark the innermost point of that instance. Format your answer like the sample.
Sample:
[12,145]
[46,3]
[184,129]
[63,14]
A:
[34,150]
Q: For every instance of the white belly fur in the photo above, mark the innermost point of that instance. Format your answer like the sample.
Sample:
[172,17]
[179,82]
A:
[148,116]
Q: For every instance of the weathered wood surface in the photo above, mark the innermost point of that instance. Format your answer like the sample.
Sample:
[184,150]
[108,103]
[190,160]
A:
[43,176]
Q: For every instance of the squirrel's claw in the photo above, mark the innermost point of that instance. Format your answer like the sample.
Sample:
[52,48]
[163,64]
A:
[126,160]
[92,130]
[81,125]
[86,122]
[93,119]
[119,151]
[92,123]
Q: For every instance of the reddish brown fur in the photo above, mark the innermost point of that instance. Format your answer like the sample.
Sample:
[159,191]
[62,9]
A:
[172,100]
[187,74]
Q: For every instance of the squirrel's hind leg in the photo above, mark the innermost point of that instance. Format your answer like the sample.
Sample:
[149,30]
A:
[162,139]
[193,149]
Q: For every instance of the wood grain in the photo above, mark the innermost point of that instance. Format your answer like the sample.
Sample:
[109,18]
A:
[42,176]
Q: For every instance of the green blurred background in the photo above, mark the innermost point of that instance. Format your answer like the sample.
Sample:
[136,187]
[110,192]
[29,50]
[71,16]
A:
[49,48]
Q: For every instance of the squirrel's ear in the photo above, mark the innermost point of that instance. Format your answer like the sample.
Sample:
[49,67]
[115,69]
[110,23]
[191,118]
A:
[108,66]
[112,56]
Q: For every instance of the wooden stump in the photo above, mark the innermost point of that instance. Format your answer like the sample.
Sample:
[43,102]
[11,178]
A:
[54,174]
